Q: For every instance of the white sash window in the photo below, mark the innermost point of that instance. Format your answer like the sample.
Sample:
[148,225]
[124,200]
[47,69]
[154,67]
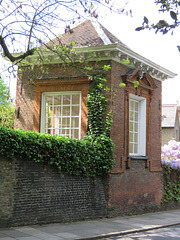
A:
[61,113]
[137,125]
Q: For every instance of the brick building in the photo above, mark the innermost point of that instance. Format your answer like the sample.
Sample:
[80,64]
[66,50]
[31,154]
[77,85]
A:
[135,181]
[170,123]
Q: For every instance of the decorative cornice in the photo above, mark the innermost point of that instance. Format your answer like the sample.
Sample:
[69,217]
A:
[115,52]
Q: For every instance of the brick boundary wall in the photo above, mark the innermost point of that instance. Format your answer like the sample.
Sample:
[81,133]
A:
[174,178]
[31,193]
[135,191]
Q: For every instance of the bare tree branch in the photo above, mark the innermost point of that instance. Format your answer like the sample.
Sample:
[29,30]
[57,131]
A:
[10,56]
[25,24]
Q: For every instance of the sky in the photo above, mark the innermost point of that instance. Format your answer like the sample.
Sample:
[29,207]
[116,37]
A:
[161,49]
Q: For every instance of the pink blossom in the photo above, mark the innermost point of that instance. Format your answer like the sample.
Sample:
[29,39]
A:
[170,154]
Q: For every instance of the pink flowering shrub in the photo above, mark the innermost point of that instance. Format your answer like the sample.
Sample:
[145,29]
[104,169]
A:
[170,155]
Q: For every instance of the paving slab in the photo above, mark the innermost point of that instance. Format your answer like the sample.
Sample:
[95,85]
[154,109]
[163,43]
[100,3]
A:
[95,229]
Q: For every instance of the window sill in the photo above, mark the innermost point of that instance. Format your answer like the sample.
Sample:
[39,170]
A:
[146,158]
[138,157]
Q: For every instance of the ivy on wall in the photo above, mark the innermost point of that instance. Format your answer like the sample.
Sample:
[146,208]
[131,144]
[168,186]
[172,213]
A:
[98,121]
[91,156]
[171,178]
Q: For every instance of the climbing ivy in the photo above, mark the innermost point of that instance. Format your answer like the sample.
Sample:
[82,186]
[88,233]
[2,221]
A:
[171,178]
[98,121]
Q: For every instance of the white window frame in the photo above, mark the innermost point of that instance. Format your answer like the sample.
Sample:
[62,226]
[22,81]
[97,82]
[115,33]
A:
[141,125]
[43,109]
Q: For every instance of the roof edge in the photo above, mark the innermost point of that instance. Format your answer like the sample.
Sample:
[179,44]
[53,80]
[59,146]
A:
[114,52]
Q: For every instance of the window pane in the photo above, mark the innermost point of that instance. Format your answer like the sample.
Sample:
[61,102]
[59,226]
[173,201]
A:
[75,110]
[131,137]
[66,99]
[75,122]
[75,99]
[48,125]
[131,116]
[131,105]
[75,133]
[136,137]
[136,127]
[57,131]
[131,147]
[136,106]
[49,131]
[136,116]
[57,111]
[131,124]
[49,100]
[66,111]
[65,122]
[57,100]
[135,148]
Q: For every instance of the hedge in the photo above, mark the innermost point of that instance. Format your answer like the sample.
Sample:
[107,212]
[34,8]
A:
[91,156]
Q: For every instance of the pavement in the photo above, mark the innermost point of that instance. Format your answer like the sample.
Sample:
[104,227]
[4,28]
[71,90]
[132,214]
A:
[94,229]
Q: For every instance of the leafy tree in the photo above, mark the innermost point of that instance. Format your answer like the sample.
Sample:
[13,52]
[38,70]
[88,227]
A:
[6,107]
[24,25]
[4,94]
[7,116]
[172,7]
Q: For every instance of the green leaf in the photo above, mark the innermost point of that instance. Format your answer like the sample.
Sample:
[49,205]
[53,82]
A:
[122,84]
[73,43]
[136,84]
[126,61]
[146,20]
[139,28]
[173,15]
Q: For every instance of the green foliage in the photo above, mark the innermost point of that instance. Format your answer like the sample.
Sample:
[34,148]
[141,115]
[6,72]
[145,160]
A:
[4,93]
[171,8]
[88,157]
[171,179]
[98,122]
[6,108]
[126,61]
[7,116]
[136,84]
[122,85]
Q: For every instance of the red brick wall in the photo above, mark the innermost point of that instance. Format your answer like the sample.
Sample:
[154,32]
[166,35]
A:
[30,99]
[139,186]
[25,101]
[128,190]
[135,191]
[155,128]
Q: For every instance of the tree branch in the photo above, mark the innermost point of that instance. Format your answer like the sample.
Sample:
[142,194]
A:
[10,56]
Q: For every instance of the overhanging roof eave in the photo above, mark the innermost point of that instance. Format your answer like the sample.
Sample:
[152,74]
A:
[116,52]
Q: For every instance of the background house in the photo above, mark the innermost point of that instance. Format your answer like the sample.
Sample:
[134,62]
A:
[54,101]
[170,123]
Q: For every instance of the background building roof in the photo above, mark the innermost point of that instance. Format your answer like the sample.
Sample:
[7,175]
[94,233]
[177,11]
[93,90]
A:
[169,113]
